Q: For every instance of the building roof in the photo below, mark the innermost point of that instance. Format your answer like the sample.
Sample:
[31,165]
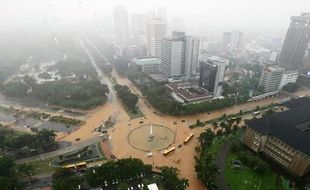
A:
[189,91]
[283,126]
[294,103]
[152,186]
[147,61]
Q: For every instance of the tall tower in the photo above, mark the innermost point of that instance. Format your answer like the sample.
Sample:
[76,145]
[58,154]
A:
[179,55]
[232,40]
[138,24]
[120,21]
[161,13]
[296,42]
[212,76]
[156,30]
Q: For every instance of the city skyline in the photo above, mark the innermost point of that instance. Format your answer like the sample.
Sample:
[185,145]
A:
[220,15]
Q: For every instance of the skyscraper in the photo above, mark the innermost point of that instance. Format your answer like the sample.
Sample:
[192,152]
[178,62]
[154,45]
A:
[296,42]
[171,57]
[232,40]
[176,24]
[179,55]
[120,21]
[212,76]
[138,24]
[162,13]
[156,30]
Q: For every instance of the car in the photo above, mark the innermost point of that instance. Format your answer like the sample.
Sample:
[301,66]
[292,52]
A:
[77,139]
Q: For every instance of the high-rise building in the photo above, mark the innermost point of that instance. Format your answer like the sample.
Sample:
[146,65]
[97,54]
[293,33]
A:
[176,24]
[212,76]
[120,21]
[171,57]
[271,78]
[156,31]
[296,42]
[161,13]
[138,24]
[192,56]
[232,40]
[179,55]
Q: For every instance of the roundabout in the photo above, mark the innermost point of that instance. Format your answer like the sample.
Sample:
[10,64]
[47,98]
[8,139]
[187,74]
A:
[151,137]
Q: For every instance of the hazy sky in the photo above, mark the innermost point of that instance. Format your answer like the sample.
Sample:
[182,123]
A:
[247,15]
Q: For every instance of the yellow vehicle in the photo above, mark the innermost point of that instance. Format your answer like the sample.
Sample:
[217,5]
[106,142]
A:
[77,166]
[190,136]
[167,151]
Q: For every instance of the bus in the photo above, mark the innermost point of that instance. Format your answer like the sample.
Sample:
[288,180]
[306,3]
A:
[77,166]
[167,151]
[188,138]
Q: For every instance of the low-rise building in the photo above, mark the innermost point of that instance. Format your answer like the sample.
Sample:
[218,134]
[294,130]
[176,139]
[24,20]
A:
[282,137]
[147,65]
[288,77]
[271,78]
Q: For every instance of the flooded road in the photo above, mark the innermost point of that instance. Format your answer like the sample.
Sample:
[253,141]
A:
[182,158]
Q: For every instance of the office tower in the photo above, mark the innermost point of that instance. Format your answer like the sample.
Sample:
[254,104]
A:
[192,56]
[212,76]
[161,13]
[296,42]
[232,40]
[138,24]
[171,57]
[179,55]
[150,14]
[120,20]
[271,78]
[176,24]
[156,30]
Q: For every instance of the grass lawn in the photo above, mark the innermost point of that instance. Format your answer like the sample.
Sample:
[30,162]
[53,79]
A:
[41,166]
[245,178]
[216,145]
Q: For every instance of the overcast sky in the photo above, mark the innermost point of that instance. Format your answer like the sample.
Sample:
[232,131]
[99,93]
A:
[246,15]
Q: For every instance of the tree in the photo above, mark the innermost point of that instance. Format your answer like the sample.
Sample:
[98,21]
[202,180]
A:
[45,138]
[127,97]
[171,180]
[25,169]
[8,175]
[15,89]
[66,179]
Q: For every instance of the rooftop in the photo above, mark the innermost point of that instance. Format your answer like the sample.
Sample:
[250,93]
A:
[283,126]
[294,103]
[146,61]
[152,186]
[189,91]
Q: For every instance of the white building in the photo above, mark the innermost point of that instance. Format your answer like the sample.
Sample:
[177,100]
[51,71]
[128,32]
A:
[271,78]
[147,65]
[152,186]
[156,31]
[171,57]
[120,21]
[288,77]
[179,55]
